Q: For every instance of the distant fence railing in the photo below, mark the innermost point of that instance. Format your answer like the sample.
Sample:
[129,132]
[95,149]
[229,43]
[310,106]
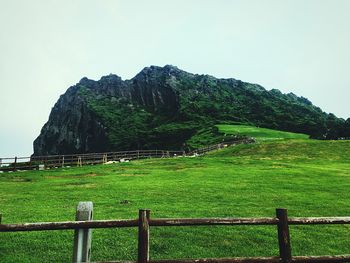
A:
[55,161]
[85,223]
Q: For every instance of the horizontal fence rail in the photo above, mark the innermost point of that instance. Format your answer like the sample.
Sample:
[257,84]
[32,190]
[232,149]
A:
[296,259]
[171,222]
[56,161]
[84,225]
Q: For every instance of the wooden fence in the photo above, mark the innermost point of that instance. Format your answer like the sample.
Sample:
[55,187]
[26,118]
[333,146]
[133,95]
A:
[84,225]
[55,161]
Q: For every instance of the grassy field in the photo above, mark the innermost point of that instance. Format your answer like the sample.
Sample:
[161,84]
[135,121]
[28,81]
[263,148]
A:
[310,178]
[261,134]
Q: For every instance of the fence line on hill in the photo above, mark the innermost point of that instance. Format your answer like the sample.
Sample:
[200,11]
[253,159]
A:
[55,161]
[84,224]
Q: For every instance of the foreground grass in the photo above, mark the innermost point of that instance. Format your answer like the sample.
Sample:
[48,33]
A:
[261,134]
[310,178]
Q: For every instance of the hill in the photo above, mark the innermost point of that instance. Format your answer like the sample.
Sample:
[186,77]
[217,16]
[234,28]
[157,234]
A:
[261,134]
[164,107]
[309,177]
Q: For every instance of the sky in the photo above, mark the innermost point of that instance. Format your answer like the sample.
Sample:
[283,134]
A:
[299,46]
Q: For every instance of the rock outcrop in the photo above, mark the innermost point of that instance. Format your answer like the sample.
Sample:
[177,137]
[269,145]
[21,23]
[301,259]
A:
[162,107]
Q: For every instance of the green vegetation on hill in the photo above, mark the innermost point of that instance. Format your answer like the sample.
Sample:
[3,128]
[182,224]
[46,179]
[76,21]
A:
[128,125]
[260,134]
[209,136]
[309,177]
[163,107]
[171,107]
[230,132]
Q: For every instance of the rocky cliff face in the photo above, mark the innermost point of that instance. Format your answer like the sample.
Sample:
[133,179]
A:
[162,107]
[72,128]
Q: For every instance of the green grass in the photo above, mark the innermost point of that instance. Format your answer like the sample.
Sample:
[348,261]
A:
[205,137]
[310,178]
[261,134]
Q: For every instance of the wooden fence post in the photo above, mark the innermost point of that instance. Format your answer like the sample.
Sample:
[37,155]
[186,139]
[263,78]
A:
[82,237]
[283,235]
[143,244]
[79,162]
[15,165]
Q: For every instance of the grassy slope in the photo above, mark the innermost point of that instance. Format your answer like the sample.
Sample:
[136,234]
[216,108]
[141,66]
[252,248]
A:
[260,134]
[310,178]
[224,132]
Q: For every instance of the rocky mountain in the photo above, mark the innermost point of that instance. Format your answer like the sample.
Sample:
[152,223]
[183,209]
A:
[164,107]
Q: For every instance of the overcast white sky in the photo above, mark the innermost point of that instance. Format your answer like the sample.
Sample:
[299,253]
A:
[299,46]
